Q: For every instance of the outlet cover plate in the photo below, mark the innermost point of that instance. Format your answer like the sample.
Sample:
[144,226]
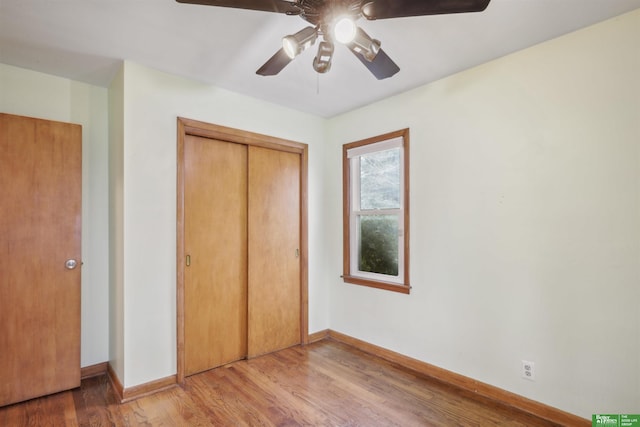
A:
[528,370]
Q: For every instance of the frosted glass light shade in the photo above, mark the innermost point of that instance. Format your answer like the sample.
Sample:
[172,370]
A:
[344,30]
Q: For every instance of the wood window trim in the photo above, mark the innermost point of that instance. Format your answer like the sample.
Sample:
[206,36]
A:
[405,287]
[186,127]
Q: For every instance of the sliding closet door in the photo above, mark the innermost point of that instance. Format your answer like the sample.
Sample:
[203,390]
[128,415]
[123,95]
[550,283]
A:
[215,236]
[274,250]
[241,285]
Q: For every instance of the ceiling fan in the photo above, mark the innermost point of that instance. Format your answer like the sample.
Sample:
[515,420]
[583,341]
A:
[334,21]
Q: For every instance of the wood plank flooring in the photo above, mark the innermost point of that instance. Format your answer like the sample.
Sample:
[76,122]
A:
[322,384]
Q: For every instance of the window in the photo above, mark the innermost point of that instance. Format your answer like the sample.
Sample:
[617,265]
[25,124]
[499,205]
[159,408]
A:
[376,211]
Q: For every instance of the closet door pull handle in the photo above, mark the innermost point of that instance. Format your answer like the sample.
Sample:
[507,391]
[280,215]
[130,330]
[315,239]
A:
[188,260]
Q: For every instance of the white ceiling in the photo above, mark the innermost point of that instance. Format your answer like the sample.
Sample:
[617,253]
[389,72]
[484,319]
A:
[87,40]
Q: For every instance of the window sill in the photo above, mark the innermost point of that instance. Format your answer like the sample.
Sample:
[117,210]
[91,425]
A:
[395,287]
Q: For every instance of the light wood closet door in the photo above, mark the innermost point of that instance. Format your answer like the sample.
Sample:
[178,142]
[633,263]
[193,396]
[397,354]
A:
[274,250]
[40,229]
[242,274]
[215,290]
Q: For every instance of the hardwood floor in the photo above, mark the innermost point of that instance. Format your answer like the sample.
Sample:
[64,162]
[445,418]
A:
[323,384]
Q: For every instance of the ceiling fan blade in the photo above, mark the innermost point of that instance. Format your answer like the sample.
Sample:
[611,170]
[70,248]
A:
[382,66]
[384,9]
[278,6]
[275,64]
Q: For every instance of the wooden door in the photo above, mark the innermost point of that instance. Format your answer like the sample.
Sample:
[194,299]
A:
[215,282]
[252,228]
[40,229]
[274,250]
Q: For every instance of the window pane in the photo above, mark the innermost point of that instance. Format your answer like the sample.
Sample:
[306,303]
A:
[380,180]
[378,245]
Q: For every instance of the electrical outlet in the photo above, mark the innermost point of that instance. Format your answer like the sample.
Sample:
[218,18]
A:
[528,370]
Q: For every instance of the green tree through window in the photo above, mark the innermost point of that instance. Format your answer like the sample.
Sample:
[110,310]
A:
[378,245]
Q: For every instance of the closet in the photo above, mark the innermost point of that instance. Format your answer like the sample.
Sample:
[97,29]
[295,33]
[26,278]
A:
[241,245]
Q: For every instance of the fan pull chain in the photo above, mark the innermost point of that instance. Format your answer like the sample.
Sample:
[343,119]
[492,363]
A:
[317,83]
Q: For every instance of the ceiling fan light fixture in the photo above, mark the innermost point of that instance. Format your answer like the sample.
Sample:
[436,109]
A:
[294,44]
[365,45]
[322,61]
[344,30]
[334,20]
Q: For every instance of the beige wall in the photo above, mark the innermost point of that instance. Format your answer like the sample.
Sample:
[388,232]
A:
[152,103]
[116,225]
[525,226]
[33,94]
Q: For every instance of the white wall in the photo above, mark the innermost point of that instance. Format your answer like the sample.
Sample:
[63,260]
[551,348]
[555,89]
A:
[33,94]
[525,222]
[152,103]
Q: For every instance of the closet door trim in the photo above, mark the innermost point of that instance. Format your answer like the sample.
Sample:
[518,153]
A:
[207,130]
